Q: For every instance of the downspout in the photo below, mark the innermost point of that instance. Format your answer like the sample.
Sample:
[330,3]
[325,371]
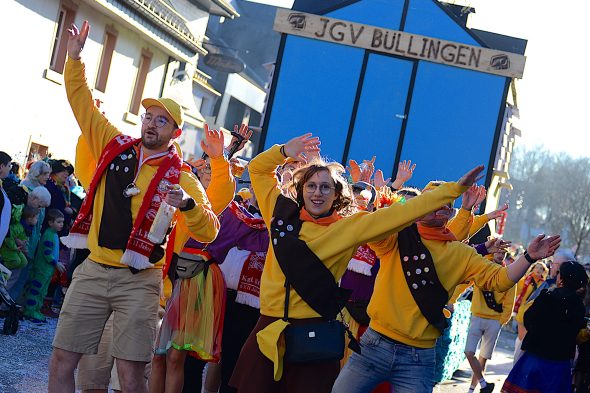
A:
[170,60]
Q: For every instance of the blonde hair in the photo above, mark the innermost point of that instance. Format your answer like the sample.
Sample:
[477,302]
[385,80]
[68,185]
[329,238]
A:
[542,265]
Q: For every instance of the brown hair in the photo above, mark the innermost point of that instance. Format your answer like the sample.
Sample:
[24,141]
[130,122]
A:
[303,174]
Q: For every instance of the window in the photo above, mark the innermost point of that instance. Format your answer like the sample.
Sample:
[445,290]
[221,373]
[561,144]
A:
[67,13]
[240,113]
[108,48]
[144,67]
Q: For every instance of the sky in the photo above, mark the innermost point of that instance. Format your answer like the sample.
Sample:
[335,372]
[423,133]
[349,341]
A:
[551,95]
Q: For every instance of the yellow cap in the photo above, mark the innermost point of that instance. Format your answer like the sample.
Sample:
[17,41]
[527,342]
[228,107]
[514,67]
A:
[169,105]
[245,193]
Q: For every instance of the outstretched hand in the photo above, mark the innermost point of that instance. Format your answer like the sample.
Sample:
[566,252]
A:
[379,181]
[367,169]
[494,245]
[472,176]
[543,246]
[405,171]
[498,212]
[77,39]
[212,145]
[302,146]
[473,196]
[246,135]
[355,170]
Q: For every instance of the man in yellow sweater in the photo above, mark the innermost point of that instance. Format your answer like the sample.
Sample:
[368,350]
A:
[123,271]
[490,311]
[399,345]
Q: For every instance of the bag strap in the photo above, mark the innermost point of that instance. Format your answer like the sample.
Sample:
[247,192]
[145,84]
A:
[421,277]
[303,270]
[287,292]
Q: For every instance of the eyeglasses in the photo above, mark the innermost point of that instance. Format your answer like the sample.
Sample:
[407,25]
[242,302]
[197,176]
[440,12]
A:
[325,188]
[159,121]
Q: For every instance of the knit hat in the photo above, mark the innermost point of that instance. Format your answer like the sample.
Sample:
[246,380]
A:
[61,166]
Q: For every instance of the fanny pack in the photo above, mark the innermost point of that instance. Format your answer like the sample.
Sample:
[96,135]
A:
[189,265]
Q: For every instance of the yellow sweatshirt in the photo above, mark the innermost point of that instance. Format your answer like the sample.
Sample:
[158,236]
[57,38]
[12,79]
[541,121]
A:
[200,221]
[334,244]
[478,223]
[464,225]
[519,317]
[479,307]
[392,309]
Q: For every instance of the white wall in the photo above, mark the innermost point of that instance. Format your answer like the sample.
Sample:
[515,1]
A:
[32,107]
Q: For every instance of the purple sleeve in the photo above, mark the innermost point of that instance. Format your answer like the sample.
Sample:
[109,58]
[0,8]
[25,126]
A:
[481,249]
[232,233]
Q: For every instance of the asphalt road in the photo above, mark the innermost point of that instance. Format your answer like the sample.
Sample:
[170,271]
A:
[496,371]
[24,358]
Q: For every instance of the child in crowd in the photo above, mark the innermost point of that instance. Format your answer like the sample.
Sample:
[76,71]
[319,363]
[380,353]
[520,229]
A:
[14,249]
[44,265]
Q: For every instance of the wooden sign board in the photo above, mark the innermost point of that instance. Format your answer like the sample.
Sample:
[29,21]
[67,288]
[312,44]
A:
[399,43]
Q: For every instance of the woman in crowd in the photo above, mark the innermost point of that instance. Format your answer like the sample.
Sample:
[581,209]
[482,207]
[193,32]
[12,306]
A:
[545,365]
[525,288]
[193,321]
[311,248]
[38,175]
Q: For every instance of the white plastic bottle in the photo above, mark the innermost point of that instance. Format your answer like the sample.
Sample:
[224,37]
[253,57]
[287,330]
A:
[161,223]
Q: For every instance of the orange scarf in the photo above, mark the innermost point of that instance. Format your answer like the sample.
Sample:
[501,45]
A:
[436,233]
[325,221]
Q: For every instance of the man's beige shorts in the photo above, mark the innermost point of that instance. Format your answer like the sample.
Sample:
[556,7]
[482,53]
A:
[97,291]
[486,330]
[99,371]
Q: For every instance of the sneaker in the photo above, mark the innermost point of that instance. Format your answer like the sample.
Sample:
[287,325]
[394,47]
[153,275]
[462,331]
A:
[488,389]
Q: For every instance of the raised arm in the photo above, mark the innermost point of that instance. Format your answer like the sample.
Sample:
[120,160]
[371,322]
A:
[405,170]
[491,276]
[222,186]
[263,167]
[370,227]
[95,128]
[461,224]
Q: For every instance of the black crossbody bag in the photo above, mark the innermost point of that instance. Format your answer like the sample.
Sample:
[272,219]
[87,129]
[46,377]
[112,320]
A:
[319,341]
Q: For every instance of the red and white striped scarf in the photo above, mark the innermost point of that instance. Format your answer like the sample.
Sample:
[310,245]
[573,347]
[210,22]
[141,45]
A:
[138,247]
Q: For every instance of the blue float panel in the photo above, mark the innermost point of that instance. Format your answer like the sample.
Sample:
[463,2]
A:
[452,121]
[382,13]
[427,18]
[379,116]
[315,93]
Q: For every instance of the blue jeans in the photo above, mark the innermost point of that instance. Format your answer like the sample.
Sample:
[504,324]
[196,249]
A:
[408,369]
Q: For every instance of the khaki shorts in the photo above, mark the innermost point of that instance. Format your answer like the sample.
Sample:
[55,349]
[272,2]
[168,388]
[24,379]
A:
[486,330]
[99,371]
[97,291]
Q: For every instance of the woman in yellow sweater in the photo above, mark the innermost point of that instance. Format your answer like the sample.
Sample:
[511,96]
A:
[535,276]
[420,268]
[308,234]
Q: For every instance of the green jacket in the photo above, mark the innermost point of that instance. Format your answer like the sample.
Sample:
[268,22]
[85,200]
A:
[12,256]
